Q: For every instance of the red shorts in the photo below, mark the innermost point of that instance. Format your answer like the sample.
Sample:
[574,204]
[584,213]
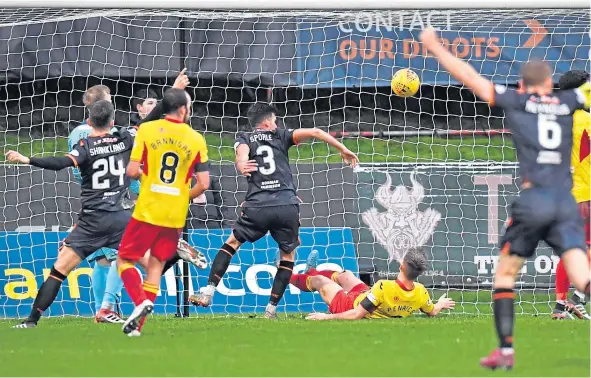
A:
[343,300]
[585,213]
[140,236]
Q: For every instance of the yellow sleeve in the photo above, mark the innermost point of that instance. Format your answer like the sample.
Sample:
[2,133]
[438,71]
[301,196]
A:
[428,305]
[138,145]
[584,93]
[202,148]
[376,294]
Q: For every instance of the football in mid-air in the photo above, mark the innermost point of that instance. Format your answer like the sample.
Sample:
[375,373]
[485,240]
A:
[405,83]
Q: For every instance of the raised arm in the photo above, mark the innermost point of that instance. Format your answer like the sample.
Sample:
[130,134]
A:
[301,135]
[180,82]
[459,69]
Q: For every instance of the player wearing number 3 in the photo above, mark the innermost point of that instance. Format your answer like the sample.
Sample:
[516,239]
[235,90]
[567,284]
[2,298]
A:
[165,155]
[271,204]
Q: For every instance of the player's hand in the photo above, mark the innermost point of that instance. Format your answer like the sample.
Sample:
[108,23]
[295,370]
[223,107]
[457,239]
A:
[317,316]
[429,37]
[246,167]
[181,81]
[16,157]
[445,302]
[349,158]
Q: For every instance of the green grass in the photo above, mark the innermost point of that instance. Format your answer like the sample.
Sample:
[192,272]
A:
[206,346]
[423,149]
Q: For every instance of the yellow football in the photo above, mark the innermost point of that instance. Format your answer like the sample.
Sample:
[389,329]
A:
[405,83]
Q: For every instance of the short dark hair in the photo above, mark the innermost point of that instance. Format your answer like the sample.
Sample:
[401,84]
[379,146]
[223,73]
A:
[573,79]
[415,262]
[101,113]
[173,100]
[95,93]
[535,72]
[259,112]
[141,95]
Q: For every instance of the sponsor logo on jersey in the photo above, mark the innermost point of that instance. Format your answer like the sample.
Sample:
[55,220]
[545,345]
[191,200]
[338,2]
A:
[402,226]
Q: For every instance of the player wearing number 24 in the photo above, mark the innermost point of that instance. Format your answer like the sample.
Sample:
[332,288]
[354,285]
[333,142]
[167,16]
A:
[541,123]
[101,158]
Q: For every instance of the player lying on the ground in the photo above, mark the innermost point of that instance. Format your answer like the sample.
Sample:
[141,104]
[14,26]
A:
[101,158]
[349,298]
[165,156]
[581,164]
[541,125]
[271,204]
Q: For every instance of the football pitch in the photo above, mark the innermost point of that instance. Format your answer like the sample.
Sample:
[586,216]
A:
[230,346]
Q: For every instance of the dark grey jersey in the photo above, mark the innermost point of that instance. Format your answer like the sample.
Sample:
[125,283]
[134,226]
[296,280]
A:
[102,161]
[541,128]
[272,184]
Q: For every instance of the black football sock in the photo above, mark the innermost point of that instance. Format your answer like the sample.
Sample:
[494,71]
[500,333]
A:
[560,307]
[220,264]
[284,272]
[504,316]
[46,295]
[169,263]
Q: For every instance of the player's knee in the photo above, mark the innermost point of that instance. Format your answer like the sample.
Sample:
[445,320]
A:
[234,242]
[287,256]
[318,282]
[67,260]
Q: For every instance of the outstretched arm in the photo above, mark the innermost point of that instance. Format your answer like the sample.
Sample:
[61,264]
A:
[354,314]
[459,69]
[54,163]
[443,303]
[301,135]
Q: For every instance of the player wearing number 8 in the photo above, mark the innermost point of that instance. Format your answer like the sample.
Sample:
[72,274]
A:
[541,124]
[165,155]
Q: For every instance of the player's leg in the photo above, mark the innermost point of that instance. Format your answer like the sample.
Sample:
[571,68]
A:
[163,248]
[98,280]
[576,303]
[245,229]
[326,287]
[562,287]
[522,233]
[284,227]
[348,281]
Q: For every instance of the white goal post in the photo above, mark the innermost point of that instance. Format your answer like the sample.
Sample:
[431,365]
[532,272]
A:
[438,169]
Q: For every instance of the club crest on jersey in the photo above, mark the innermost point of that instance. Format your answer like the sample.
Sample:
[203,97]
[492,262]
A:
[402,226]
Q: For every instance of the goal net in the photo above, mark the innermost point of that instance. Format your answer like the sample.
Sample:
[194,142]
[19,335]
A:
[438,169]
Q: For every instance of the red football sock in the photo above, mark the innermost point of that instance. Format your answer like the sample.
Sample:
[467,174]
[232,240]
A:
[151,292]
[133,283]
[299,281]
[562,282]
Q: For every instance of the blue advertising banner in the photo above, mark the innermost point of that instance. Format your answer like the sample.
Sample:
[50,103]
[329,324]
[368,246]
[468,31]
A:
[26,258]
[367,50]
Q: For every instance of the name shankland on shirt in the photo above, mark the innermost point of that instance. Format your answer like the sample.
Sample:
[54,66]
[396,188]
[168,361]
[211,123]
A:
[108,149]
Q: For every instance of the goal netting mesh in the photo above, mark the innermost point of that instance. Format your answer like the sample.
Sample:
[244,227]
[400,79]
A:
[438,169]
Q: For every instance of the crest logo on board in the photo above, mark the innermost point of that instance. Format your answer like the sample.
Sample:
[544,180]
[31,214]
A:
[402,226]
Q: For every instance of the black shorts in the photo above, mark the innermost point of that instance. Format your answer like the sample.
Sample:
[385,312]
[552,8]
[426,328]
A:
[543,214]
[282,222]
[97,229]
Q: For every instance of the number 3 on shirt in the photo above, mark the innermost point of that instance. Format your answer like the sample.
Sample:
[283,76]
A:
[266,152]
[169,164]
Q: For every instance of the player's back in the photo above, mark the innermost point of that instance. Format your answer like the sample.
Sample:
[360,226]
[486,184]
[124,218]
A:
[272,184]
[395,300]
[169,151]
[102,161]
[541,128]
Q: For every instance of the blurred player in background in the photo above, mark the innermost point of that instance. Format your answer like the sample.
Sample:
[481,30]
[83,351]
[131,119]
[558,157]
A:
[165,156]
[271,204]
[581,165]
[101,158]
[349,298]
[541,124]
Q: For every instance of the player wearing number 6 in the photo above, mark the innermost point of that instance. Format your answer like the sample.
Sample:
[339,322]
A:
[271,204]
[165,155]
[541,125]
